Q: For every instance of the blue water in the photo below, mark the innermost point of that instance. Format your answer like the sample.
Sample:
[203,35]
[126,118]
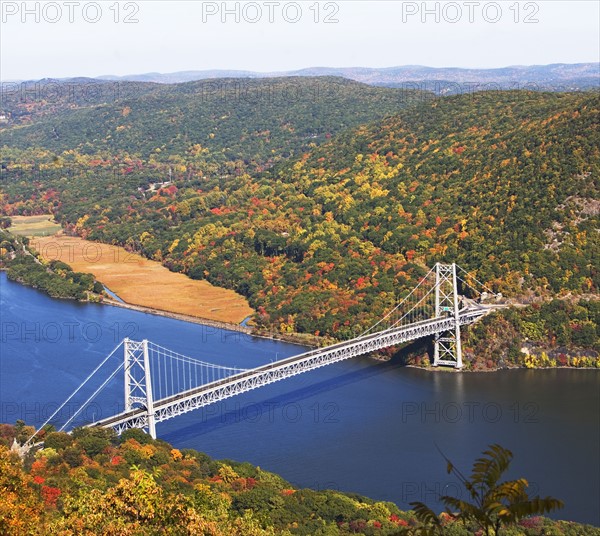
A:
[361,425]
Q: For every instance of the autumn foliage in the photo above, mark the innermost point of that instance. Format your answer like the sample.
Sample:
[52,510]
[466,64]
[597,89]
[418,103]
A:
[324,235]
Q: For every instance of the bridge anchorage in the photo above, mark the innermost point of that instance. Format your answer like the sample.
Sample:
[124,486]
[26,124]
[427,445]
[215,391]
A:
[160,384]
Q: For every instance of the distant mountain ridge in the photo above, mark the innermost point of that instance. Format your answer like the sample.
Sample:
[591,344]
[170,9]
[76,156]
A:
[439,80]
[558,76]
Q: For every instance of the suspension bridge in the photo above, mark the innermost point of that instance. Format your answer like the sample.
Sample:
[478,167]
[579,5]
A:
[160,384]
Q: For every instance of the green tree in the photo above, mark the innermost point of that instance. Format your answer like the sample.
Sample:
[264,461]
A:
[494,504]
[93,440]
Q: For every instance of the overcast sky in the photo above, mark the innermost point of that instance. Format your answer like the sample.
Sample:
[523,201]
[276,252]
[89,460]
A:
[79,38]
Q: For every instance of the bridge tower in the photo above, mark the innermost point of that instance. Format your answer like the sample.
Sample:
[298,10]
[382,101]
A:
[138,380]
[447,346]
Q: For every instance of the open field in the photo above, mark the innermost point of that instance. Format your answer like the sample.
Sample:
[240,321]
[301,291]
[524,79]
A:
[41,225]
[143,282]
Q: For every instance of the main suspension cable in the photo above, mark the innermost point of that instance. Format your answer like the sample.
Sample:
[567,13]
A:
[75,392]
[399,304]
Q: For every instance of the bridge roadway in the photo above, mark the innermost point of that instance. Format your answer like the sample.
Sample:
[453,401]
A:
[216,391]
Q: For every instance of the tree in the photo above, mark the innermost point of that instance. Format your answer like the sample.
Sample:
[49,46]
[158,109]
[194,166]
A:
[20,512]
[584,334]
[58,440]
[135,433]
[93,440]
[493,504]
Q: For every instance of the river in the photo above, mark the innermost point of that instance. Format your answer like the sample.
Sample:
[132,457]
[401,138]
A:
[362,425]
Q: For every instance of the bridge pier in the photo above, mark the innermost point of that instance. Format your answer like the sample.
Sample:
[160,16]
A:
[447,348]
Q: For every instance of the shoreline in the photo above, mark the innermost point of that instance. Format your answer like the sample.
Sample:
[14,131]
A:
[488,371]
[296,339]
[177,316]
[290,339]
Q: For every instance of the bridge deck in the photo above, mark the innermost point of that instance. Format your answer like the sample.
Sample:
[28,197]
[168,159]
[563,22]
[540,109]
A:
[219,390]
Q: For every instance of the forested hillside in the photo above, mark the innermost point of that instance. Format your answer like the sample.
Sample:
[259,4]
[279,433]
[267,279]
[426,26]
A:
[23,103]
[231,122]
[504,183]
[92,482]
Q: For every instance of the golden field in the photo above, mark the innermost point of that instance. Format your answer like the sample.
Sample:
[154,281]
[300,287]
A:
[139,281]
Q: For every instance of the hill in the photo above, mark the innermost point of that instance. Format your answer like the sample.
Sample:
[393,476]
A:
[255,121]
[504,183]
[92,482]
[22,103]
